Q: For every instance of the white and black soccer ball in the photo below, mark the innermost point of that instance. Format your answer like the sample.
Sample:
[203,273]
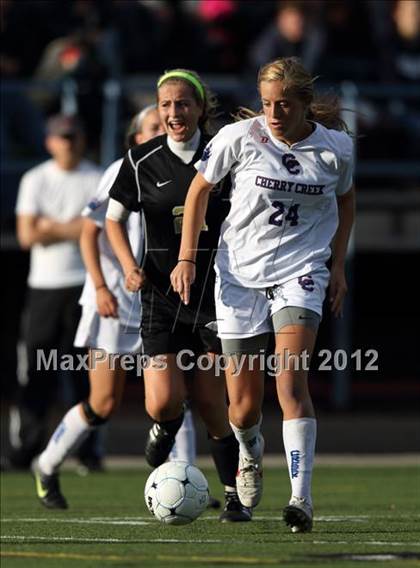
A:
[176,493]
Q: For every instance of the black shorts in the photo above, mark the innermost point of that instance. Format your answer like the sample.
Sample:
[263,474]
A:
[168,326]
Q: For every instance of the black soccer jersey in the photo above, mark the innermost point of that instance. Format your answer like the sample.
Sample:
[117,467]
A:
[152,179]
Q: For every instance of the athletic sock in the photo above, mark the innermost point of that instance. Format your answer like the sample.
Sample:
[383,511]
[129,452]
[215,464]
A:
[249,440]
[299,436]
[71,432]
[225,453]
[171,427]
[184,448]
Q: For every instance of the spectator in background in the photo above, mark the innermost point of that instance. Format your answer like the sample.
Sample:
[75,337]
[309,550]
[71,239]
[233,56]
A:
[51,198]
[26,30]
[109,326]
[140,28]
[405,62]
[405,41]
[352,40]
[76,57]
[296,31]
[219,22]
[395,116]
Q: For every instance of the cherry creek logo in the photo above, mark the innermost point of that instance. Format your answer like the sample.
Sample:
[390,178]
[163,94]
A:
[307,283]
[291,164]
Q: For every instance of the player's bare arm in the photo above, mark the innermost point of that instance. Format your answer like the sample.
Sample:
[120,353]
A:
[35,229]
[107,304]
[338,285]
[55,231]
[196,202]
[117,235]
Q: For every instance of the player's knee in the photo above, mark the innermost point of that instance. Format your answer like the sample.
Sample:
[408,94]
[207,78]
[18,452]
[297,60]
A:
[244,414]
[209,408]
[292,389]
[107,406]
[94,415]
[164,409]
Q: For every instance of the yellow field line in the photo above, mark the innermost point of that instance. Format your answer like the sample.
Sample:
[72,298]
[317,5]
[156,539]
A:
[68,556]
[112,557]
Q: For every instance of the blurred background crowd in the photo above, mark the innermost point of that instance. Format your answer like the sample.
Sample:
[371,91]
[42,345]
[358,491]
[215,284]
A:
[100,59]
[92,41]
[95,39]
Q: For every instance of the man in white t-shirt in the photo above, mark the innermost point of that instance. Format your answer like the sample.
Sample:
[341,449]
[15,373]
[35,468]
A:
[49,205]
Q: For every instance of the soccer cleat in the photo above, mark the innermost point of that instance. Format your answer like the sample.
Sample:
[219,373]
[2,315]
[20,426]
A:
[213,503]
[249,479]
[234,511]
[298,515]
[48,488]
[158,446]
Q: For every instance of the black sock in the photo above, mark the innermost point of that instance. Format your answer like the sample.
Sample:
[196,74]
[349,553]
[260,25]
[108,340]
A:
[172,426]
[225,452]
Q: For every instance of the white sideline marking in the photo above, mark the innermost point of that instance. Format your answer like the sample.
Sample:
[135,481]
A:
[7,538]
[82,521]
[148,519]
[374,557]
[371,542]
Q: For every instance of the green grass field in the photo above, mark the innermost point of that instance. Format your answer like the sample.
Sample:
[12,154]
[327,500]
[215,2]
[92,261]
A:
[364,516]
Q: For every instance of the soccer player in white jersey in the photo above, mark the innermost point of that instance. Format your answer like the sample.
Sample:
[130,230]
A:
[109,325]
[292,207]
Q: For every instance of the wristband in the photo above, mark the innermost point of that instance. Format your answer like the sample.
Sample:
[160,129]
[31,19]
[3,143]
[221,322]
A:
[186,260]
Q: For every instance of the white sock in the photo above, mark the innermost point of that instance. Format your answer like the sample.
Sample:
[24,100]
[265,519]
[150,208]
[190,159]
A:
[71,432]
[184,447]
[249,440]
[299,436]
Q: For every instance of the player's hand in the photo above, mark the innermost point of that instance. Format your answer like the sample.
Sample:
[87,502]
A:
[338,290]
[135,279]
[107,303]
[45,228]
[44,224]
[182,277]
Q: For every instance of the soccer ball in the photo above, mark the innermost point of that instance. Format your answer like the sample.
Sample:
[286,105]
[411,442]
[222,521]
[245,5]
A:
[176,493]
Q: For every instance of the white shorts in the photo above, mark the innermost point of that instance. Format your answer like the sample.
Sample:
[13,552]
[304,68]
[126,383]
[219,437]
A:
[108,334]
[246,312]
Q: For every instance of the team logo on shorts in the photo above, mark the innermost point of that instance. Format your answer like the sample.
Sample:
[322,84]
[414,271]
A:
[94,204]
[307,283]
[291,164]
[206,153]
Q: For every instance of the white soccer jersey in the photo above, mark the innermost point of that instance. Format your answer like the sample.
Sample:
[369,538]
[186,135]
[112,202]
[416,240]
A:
[128,303]
[284,209]
[49,191]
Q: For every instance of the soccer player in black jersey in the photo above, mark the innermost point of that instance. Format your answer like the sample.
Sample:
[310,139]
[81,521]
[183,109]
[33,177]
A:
[154,179]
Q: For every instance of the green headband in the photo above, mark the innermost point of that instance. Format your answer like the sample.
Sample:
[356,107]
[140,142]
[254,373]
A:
[187,77]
